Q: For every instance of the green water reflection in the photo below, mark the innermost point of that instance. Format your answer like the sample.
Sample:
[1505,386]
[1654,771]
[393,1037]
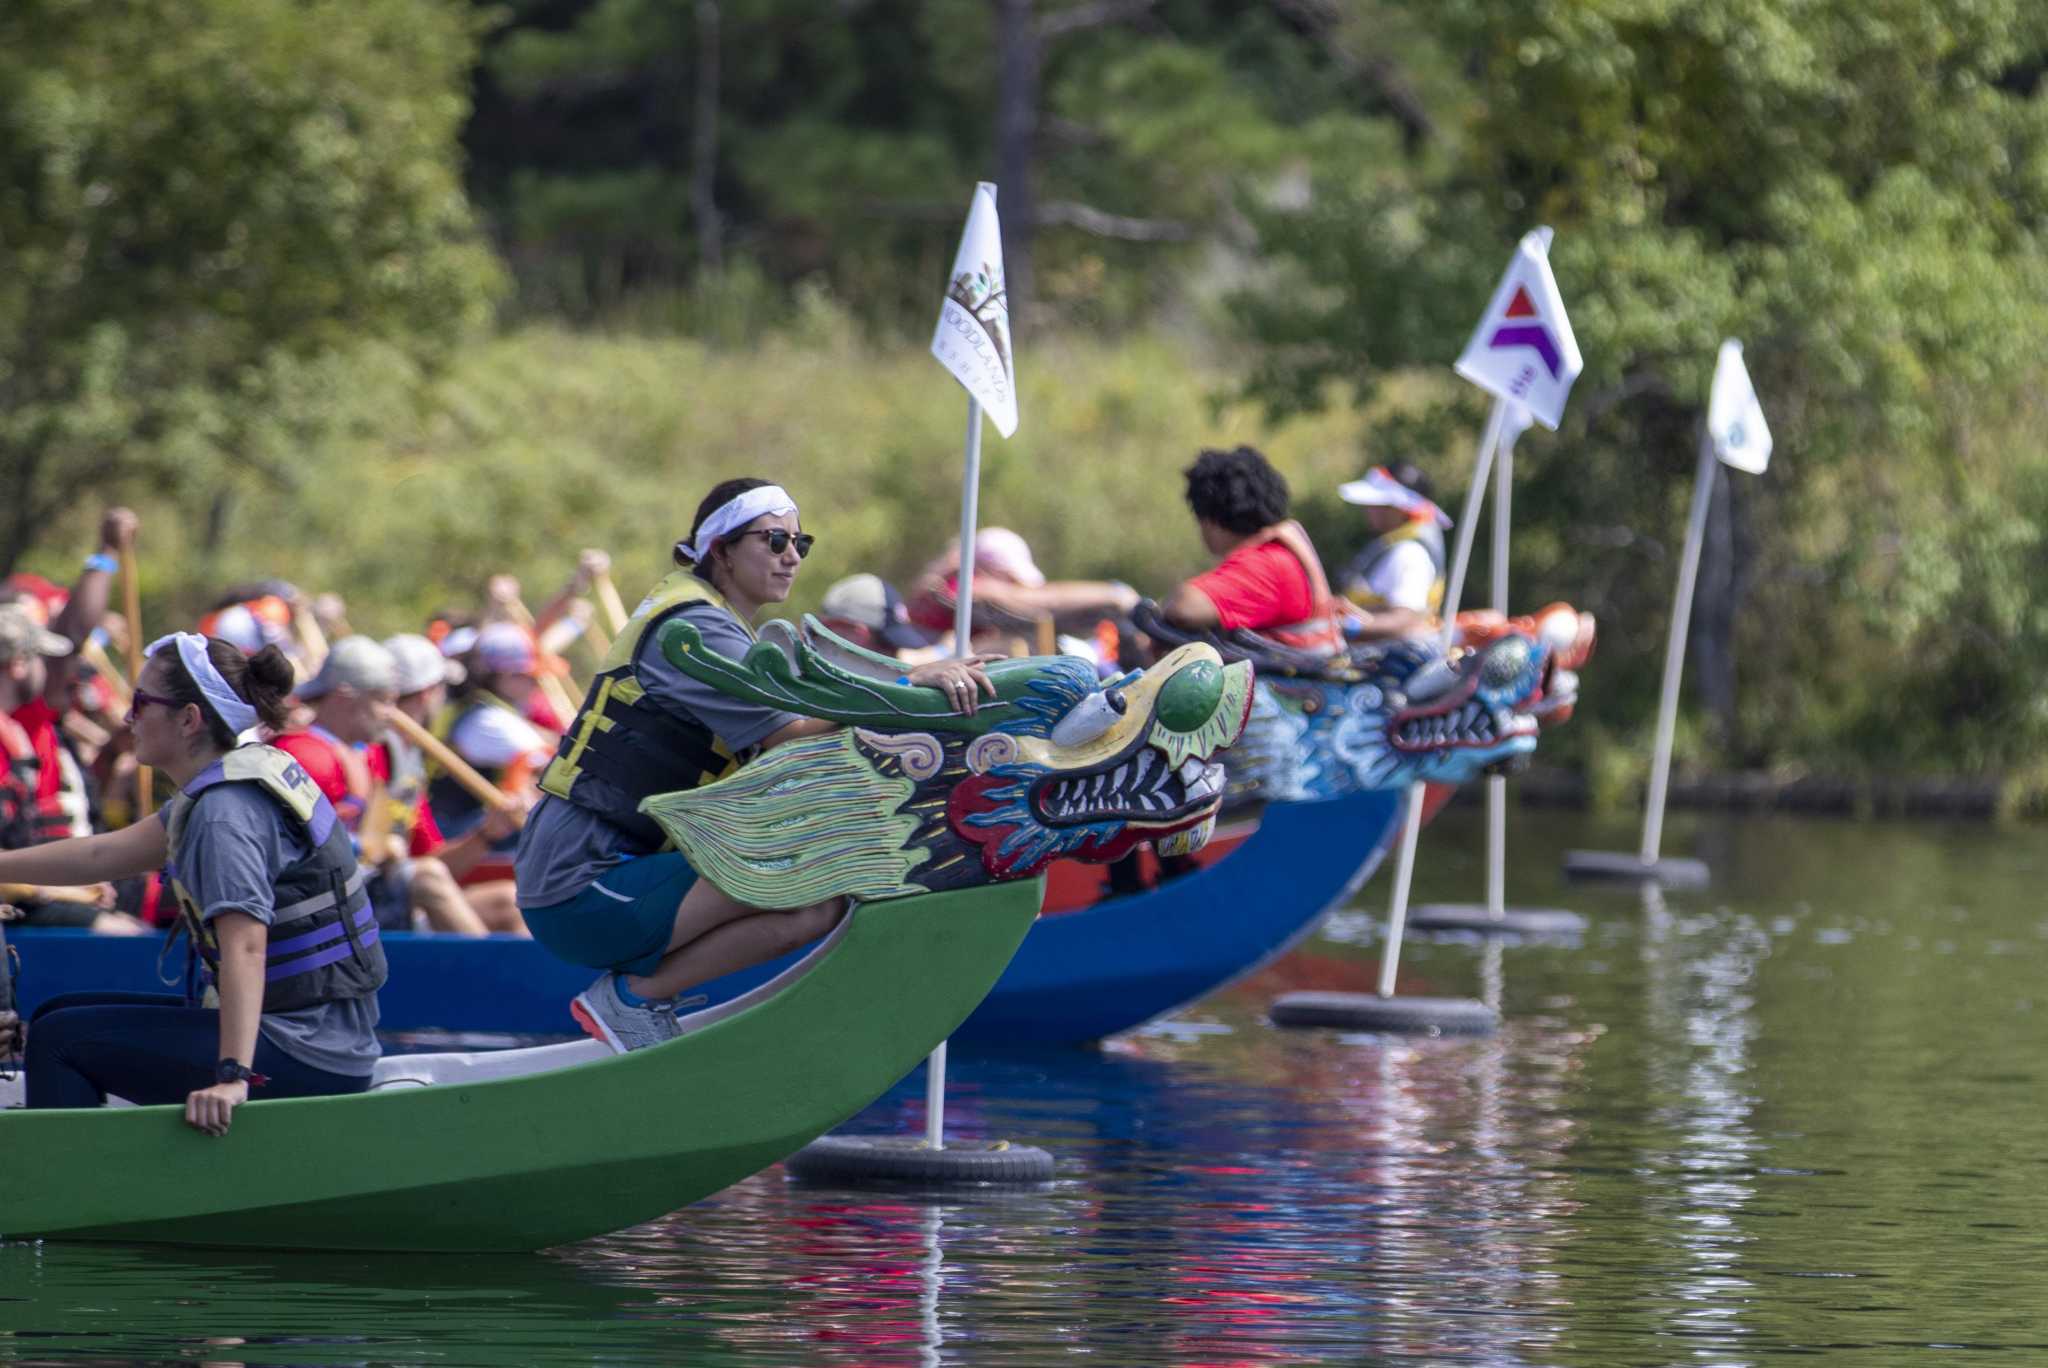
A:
[1798,1113]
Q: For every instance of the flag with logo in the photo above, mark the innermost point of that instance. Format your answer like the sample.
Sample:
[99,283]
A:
[1523,350]
[973,336]
[1735,418]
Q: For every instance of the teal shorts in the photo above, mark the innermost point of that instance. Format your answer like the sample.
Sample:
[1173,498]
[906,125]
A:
[623,921]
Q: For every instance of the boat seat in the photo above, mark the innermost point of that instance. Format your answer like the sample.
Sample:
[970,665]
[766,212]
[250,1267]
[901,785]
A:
[477,1066]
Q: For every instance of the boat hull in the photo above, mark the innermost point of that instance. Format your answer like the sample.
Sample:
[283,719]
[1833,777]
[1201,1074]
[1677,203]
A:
[1084,975]
[542,1159]
[1079,976]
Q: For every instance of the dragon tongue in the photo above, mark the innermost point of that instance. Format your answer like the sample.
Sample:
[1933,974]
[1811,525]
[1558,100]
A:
[1189,841]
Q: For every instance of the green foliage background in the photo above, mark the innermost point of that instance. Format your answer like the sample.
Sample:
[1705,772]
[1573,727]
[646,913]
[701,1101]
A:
[386,295]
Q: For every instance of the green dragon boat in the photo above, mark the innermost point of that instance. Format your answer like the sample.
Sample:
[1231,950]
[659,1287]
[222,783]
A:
[939,826]
[523,1149]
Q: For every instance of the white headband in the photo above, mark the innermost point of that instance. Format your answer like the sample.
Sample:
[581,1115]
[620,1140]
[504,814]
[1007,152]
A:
[735,513]
[227,704]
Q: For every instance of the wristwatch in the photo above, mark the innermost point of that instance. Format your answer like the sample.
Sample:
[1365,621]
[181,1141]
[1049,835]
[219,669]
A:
[235,1071]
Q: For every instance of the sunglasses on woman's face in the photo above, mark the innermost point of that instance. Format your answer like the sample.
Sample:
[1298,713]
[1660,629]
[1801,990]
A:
[142,698]
[780,539]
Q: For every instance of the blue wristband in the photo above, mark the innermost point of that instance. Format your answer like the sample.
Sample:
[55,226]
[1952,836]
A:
[902,679]
[102,562]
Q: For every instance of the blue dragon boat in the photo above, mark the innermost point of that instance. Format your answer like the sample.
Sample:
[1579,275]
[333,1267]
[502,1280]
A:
[1328,753]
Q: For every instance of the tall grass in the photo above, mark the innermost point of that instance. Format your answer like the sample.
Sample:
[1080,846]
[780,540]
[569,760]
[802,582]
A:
[546,440]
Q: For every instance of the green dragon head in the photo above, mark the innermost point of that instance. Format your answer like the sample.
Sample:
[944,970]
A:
[912,797]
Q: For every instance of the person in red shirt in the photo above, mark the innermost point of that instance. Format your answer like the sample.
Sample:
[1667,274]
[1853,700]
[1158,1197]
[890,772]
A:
[1268,578]
[37,703]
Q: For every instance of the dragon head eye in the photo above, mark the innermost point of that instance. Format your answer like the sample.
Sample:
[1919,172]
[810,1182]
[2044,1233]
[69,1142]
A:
[1505,662]
[1189,698]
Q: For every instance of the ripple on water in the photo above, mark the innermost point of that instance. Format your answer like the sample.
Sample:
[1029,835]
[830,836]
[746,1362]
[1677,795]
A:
[1773,1119]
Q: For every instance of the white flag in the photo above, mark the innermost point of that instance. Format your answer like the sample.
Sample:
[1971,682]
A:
[973,337]
[1523,349]
[1735,420]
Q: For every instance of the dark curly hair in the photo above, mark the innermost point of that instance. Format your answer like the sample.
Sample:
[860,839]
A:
[1238,490]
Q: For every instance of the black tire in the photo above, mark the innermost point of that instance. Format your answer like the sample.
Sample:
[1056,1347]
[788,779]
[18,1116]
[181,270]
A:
[1625,867]
[900,1161]
[1513,921]
[1371,1012]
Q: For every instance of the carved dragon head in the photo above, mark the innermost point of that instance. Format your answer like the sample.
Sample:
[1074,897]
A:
[1381,716]
[910,797]
[1568,635]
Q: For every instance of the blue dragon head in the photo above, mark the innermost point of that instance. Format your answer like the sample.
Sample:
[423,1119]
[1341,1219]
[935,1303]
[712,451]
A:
[1380,716]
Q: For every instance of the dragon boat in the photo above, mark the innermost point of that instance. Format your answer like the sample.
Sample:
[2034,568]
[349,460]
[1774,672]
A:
[908,809]
[1315,784]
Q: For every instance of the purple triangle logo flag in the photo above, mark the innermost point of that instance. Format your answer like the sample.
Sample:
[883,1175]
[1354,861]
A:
[1523,350]
[1735,418]
[973,336]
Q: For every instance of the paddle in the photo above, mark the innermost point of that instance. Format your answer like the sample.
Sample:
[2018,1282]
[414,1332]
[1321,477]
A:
[608,598]
[131,604]
[505,591]
[465,774]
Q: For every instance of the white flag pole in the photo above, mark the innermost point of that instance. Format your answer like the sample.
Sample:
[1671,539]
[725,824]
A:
[1674,647]
[1497,784]
[963,635]
[1411,832]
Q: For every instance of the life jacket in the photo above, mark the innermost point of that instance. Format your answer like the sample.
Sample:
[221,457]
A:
[406,785]
[1322,630]
[623,746]
[323,943]
[455,807]
[19,824]
[1425,533]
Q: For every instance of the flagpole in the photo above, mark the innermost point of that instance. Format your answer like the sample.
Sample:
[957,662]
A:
[963,635]
[1497,784]
[1674,648]
[1404,867]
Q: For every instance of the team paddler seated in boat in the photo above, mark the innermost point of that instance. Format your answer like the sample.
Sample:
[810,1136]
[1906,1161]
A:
[595,884]
[1268,578]
[267,886]
[1396,583]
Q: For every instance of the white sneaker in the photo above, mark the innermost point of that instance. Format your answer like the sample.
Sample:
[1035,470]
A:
[606,1016]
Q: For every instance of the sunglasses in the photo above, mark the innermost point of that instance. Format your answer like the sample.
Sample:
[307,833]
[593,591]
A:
[142,698]
[780,539]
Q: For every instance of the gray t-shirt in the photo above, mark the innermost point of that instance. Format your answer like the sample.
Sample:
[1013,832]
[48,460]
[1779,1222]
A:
[236,843]
[566,847]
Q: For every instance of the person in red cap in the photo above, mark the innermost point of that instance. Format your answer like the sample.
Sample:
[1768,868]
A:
[35,685]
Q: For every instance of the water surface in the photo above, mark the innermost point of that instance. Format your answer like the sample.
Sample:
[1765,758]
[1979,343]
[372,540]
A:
[1799,1113]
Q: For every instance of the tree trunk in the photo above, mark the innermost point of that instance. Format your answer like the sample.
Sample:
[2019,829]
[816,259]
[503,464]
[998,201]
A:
[704,143]
[1018,74]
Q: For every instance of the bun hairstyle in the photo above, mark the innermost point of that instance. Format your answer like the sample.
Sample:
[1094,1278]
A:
[264,681]
[722,493]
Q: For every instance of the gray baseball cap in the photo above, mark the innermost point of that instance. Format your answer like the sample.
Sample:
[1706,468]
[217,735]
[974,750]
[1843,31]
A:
[356,663]
[21,635]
